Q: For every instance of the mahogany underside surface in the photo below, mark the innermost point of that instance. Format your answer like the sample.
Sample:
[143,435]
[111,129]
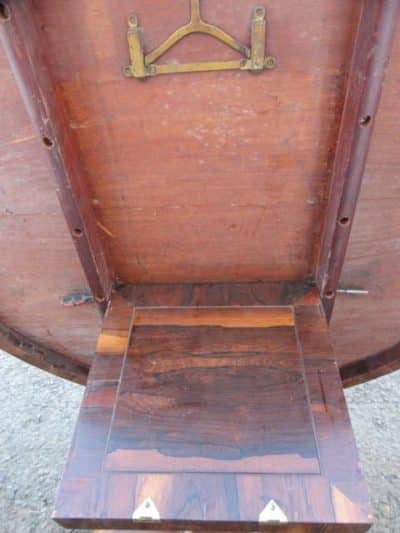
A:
[211,413]
[215,176]
[201,177]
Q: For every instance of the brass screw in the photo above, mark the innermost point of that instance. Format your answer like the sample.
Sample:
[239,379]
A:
[260,12]
[100,298]
[270,62]
[133,20]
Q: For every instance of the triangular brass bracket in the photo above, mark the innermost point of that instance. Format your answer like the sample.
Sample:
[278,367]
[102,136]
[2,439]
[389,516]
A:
[254,59]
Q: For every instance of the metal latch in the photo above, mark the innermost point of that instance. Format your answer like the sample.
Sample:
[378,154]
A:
[146,511]
[272,513]
[144,65]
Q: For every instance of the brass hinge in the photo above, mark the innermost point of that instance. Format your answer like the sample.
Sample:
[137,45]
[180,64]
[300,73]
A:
[144,65]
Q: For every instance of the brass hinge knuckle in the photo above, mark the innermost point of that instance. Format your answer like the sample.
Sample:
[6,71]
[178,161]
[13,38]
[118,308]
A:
[145,65]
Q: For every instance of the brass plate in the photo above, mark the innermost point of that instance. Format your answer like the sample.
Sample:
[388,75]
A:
[144,65]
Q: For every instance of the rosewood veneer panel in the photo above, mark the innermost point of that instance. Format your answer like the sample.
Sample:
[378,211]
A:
[213,420]
[184,402]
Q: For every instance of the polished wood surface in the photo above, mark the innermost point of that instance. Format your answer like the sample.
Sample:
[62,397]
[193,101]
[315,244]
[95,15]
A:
[218,294]
[241,317]
[212,422]
[196,380]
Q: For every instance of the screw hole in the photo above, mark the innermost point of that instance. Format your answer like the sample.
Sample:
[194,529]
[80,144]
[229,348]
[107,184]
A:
[77,232]
[329,295]
[344,221]
[47,142]
[366,120]
[4,12]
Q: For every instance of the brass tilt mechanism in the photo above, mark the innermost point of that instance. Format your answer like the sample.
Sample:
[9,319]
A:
[144,65]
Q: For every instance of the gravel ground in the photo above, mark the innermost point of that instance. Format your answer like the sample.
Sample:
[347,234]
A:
[38,413]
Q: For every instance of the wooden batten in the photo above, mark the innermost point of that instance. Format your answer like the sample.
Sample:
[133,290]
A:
[370,59]
[23,48]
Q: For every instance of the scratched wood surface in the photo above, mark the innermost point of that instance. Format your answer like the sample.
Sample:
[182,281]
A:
[211,423]
[368,324]
[265,201]
[227,180]
[38,261]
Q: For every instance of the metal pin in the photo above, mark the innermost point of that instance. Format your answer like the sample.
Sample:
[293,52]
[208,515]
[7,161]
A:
[355,292]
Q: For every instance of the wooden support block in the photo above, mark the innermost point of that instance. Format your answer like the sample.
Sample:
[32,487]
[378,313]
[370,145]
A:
[214,418]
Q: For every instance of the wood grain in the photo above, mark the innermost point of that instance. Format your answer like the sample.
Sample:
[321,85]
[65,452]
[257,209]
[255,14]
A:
[373,257]
[201,384]
[39,264]
[282,293]
[24,49]
[45,358]
[265,197]
[233,157]
[212,423]
[243,317]
[371,367]
[370,59]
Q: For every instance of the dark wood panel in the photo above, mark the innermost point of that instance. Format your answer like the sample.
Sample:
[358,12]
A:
[278,293]
[89,442]
[204,387]
[243,317]
[336,444]
[217,294]
[289,492]
[173,398]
